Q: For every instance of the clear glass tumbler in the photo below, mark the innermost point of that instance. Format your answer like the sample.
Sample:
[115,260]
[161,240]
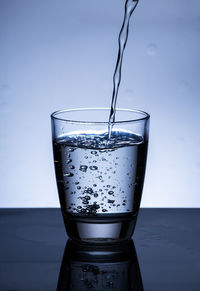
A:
[100,179]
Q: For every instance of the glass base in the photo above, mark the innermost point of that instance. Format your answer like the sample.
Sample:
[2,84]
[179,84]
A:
[100,231]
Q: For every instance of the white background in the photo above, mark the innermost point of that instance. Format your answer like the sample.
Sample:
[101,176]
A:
[62,54]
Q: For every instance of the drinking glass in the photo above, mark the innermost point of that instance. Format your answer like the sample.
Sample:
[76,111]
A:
[100,178]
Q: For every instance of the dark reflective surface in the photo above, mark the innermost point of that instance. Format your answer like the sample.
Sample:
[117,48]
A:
[32,243]
[87,267]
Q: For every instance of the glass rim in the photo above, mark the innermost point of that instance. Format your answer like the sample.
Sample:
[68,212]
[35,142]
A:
[146,115]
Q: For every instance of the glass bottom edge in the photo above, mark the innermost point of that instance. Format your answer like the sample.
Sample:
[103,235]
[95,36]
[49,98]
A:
[103,231]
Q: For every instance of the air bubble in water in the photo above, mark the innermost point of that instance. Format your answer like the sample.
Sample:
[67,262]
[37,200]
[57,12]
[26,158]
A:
[68,161]
[110,192]
[89,190]
[87,197]
[68,175]
[83,168]
[93,168]
[71,149]
[72,167]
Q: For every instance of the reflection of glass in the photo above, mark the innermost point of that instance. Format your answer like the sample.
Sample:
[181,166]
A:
[92,267]
[100,179]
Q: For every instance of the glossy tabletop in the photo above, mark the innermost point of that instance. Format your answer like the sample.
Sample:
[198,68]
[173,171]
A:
[32,244]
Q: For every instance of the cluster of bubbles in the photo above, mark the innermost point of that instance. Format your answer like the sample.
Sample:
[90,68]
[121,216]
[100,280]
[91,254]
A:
[97,198]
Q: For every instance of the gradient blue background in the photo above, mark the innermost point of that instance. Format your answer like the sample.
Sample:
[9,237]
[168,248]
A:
[62,54]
